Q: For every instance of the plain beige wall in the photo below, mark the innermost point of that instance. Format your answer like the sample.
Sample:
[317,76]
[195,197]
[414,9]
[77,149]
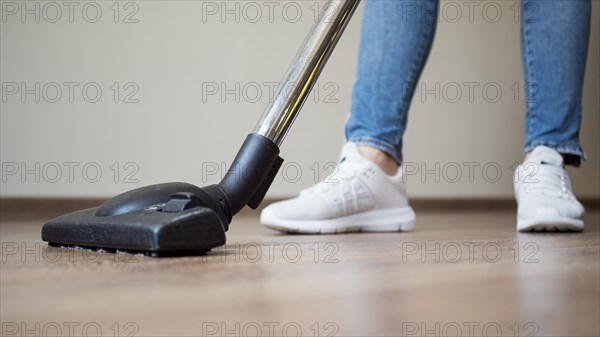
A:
[178,51]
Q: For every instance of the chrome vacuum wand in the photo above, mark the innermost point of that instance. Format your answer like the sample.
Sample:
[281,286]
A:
[302,75]
[281,113]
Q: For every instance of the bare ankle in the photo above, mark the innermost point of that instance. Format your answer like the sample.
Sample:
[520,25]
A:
[387,164]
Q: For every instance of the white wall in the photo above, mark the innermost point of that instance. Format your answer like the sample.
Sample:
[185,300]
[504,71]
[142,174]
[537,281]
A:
[176,50]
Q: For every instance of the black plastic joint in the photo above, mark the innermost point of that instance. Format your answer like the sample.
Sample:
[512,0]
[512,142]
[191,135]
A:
[252,172]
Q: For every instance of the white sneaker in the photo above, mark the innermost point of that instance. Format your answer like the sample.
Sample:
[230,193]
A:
[359,197]
[543,193]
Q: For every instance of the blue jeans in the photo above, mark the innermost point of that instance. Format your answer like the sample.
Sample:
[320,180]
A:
[395,42]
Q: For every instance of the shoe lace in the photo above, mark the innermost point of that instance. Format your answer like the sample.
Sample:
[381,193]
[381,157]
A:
[343,184]
[548,180]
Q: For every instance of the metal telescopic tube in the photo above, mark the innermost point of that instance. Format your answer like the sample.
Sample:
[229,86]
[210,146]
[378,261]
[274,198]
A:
[302,75]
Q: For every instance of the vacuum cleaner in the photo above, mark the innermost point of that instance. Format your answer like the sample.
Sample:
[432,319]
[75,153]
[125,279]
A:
[177,218]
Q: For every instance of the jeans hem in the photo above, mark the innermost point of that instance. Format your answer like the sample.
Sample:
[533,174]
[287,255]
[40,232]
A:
[565,149]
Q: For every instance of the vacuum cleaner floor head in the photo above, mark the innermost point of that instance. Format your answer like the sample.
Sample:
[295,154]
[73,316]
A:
[158,220]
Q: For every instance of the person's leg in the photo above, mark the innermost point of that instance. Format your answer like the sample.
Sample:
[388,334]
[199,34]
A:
[395,42]
[554,37]
[366,192]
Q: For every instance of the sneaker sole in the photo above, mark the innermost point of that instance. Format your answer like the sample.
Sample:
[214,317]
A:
[383,220]
[549,221]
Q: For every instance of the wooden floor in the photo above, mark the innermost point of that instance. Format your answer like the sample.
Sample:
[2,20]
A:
[458,274]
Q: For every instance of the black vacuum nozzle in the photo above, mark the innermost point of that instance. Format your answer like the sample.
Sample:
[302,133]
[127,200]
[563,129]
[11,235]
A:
[172,218]
[157,220]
